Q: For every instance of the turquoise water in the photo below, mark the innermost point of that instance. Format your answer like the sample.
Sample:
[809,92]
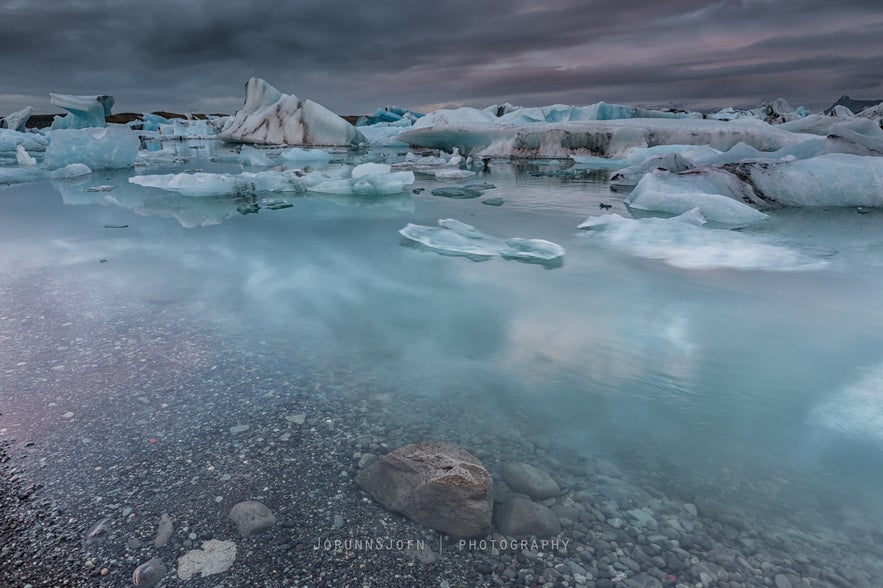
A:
[617,352]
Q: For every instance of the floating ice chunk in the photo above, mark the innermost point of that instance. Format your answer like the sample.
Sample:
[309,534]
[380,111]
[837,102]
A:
[312,157]
[631,175]
[10,140]
[162,156]
[676,194]
[22,157]
[859,136]
[17,120]
[383,135]
[679,242]
[17,175]
[455,117]
[827,180]
[453,237]
[538,250]
[83,111]
[151,122]
[111,147]
[71,170]
[254,157]
[367,169]
[453,174]
[272,118]
[209,184]
[180,128]
[367,179]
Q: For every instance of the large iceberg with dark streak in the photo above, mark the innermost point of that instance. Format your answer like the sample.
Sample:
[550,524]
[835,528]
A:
[270,117]
[479,133]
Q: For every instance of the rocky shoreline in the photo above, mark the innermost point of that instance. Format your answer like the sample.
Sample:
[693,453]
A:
[617,530]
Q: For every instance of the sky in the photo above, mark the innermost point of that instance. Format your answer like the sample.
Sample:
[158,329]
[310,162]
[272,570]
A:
[353,56]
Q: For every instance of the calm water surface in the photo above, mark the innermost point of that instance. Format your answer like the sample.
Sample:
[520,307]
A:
[620,351]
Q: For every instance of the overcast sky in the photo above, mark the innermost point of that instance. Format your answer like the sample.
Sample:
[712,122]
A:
[355,55]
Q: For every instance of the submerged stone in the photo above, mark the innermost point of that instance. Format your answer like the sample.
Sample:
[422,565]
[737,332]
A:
[436,484]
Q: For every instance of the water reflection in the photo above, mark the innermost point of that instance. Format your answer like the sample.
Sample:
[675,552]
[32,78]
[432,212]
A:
[755,371]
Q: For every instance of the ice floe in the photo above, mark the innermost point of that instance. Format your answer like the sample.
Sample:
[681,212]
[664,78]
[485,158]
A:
[452,237]
[683,242]
[367,179]
[270,117]
[676,194]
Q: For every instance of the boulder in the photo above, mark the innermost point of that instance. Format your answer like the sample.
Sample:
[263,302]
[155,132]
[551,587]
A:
[252,518]
[520,517]
[435,484]
[149,574]
[527,479]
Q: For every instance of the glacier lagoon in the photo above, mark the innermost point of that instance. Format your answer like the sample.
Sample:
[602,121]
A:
[668,362]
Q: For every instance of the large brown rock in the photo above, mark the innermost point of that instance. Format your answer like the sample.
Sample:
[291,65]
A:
[436,484]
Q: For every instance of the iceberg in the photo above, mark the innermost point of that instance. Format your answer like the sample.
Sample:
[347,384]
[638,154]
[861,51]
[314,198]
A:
[833,179]
[111,147]
[859,136]
[10,140]
[367,179]
[682,242]
[675,194]
[17,120]
[83,111]
[456,238]
[185,128]
[478,133]
[270,117]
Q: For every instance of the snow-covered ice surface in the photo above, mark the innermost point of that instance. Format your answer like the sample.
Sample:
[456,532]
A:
[667,363]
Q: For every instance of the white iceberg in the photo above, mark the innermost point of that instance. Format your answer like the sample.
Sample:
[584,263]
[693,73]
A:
[677,193]
[456,238]
[270,117]
[833,179]
[367,179]
[83,111]
[17,120]
[682,242]
[111,147]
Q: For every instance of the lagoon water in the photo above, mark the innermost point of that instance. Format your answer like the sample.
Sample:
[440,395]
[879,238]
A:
[726,380]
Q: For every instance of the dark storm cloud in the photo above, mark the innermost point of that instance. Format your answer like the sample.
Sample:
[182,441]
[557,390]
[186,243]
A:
[354,56]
